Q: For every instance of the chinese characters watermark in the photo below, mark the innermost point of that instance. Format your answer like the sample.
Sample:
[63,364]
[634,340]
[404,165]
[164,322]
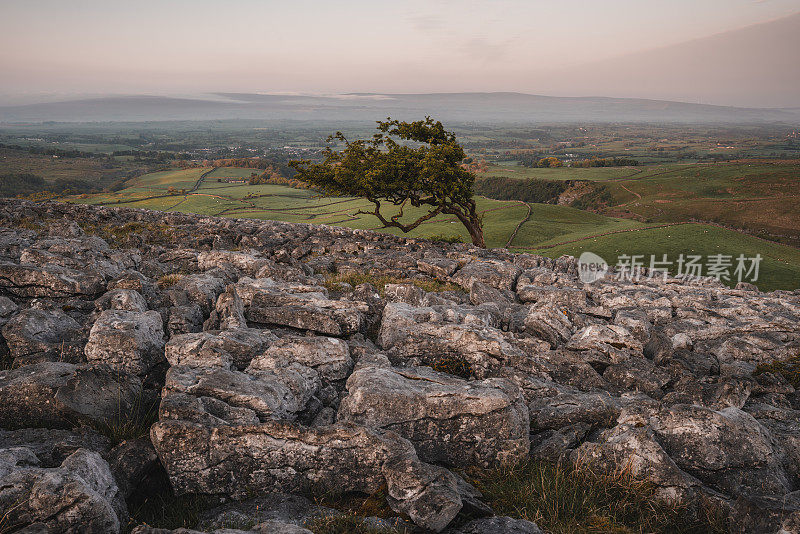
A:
[687,267]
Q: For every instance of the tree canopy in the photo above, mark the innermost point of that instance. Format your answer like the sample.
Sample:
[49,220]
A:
[405,164]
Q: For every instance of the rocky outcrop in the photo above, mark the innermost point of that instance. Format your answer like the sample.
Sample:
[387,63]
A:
[271,377]
[449,421]
[128,340]
[64,395]
[80,495]
[229,460]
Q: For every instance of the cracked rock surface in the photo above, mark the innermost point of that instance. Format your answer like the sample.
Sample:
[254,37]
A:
[272,382]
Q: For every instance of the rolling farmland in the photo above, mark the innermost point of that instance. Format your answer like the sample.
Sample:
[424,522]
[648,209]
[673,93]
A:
[545,229]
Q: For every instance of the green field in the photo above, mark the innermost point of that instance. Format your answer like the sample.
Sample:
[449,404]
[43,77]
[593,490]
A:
[759,197]
[779,268]
[562,173]
[550,230]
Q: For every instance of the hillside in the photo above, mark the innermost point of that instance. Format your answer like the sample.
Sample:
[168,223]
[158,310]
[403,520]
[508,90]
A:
[453,107]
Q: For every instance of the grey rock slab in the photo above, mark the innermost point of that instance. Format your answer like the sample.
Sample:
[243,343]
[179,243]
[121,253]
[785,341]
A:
[448,420]
[62,395]
[131,341]
[229,460]
[53,282]
[35,336]
[79,496]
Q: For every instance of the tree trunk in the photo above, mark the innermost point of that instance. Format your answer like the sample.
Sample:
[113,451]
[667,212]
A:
[476,233]
[472,222]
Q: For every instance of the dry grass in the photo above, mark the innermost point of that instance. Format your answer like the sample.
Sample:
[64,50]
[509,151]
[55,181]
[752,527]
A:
[453,365]
[568,498]
[129,424]
[122,235]
[380,282]
[169,280]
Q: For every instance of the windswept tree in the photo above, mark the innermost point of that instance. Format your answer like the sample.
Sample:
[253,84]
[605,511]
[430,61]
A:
[406,164]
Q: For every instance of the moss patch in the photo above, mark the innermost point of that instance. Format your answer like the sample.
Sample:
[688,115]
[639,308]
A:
[788,369]
[380,282]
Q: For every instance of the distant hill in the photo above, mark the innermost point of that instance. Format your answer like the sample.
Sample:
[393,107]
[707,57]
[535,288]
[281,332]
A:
[453,107]
[755,65]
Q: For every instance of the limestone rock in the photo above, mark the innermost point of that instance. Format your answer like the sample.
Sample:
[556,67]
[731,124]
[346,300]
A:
[62,395]
[131,341]
[35,336]
[54,282]
[78,496]
[229,460]
[448,420]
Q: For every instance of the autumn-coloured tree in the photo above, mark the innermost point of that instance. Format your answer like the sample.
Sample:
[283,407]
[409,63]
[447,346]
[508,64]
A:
[426,171]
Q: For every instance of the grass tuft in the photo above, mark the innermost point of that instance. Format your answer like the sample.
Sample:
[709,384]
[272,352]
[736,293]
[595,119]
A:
[148,232]
[788,369]
[132,424]
[169,280]
[453,365]
[165,510]
[567,498]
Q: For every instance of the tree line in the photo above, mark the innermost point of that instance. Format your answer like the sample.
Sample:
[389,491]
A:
[530,190]
[536,161]
[26,184]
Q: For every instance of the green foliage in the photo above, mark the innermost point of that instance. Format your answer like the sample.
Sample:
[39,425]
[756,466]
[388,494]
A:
[788,369]
[425,170]
[23,184]
[531,190]
[596,199]
[576,498]
[605,162]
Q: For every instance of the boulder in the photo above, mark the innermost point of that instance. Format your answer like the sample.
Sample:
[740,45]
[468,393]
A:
[50,282]
[279,393]
[130,341]
[35,336]
[306,311]
[275,455]
[7,309]
[122,299]
[495,273]
[448,420]
[425,335]
[727,449]
[550,323]
[79,496]
[63,395]
[52,446]
[223,348]
[329,356]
